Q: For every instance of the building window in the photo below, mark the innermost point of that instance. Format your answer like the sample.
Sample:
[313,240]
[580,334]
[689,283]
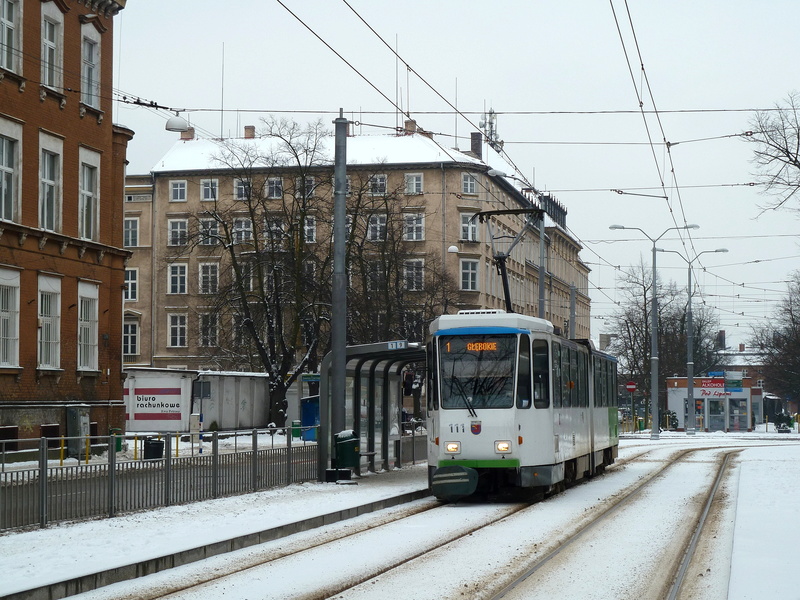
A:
[130,232]
[88,207]
[177,191]
[413,227]
[48,200]
[242,231]
[9,318]
[310,230]
[241,189]
[209,330]
[131,292]
[49,333]
[414,274]
[209,278]
[130,340]
[178,232]
[90,88]
[51,55]
[376,276]
[274,188]
[177,330]
[9,35]
[8,177]
[413,184]
[305,187]
[209,190]
[469,275]
[469,228]
[87,327]
[209,232]
[376,230]
[177,279]
[377,185]
[469,184]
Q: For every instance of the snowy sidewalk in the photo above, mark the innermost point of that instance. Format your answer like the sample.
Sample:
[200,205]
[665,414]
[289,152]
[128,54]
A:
[64,559]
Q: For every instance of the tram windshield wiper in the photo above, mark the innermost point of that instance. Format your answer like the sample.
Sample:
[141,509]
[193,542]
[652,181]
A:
[470,408]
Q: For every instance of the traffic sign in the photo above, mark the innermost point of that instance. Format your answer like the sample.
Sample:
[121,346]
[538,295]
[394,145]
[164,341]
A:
[631,386]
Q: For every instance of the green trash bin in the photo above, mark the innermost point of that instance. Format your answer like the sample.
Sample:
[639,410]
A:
[347,456]
[295,430]
[116,431]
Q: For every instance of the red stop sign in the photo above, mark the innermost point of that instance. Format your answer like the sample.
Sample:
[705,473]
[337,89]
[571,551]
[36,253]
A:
[631,386]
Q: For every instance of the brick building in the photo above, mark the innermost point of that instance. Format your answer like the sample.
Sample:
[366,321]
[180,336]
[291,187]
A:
[62,265]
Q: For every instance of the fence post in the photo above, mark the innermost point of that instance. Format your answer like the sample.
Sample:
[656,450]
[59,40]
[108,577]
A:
[43,482]
[215,464]
[112,473]
[167,468]
[253,463]
[288,457]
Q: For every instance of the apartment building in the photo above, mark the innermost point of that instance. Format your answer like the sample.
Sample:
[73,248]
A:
[436,190]
[62,265]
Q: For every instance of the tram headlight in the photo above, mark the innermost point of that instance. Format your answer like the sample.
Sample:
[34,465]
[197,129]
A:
[452,447]
[502,447]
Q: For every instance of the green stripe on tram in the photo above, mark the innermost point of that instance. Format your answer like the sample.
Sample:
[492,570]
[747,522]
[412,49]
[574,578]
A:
[507,463]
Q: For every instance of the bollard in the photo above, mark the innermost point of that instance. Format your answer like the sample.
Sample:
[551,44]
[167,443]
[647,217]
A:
[61,461]
[87,449]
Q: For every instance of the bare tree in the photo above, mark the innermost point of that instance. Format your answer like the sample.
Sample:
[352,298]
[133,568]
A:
[777,155]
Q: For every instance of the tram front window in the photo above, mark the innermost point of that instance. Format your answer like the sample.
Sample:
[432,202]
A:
[477,371]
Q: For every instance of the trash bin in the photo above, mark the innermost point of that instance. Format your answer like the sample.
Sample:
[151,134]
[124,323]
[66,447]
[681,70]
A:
[116,431]
[153,449]
[347,456]
[295,430]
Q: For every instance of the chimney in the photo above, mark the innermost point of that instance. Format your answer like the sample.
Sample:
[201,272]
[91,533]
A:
[741,347]
[188,134]
[249,132]
[476,144]
[410,126]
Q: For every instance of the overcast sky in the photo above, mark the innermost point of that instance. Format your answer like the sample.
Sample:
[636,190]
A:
[565,79]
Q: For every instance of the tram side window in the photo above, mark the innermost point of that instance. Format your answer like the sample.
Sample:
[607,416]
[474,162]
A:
[613,386]
[541,374]
[556,375]
[583,389]
[433,376]
[603,383]
[598,388]
[524,373]
[566,378]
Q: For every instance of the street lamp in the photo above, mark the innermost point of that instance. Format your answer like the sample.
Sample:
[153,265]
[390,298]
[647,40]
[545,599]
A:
[654,330]
[691,419]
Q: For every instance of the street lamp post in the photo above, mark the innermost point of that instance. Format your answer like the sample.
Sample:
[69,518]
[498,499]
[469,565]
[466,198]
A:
[691,418]
[654,330]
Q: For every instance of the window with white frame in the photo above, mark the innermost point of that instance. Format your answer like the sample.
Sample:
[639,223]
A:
[9,175]
[305,186]
[246,270]
[176,283]
[51,50]
[376,228]
[241,189]
[209,232]
[413,227]
[274,228]
[414,323]
[209,190]
[130,339]
[49,331]
[377,185]
[178,232]
[9,318]
[414,274]
[89,199]
[242,230]
[48,195]
[469,275]
[309,270]
[376,276]
[274,188]
[469,228]
[209,330]
[87,326]
[177,191]
[310,229]
[209,278]
[131,291]
[413,184]
[469,184]
[130,232]
[176,330]
[10,31]
[90,71]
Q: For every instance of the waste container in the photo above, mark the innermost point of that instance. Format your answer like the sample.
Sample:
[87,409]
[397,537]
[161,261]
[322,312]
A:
[116,431]
[347,456]
[295,430]
[153,449]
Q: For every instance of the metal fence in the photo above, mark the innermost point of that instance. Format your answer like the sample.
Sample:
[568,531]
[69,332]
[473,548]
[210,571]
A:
[105,480]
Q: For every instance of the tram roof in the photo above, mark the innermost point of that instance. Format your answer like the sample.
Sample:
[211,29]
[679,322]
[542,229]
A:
[490,318]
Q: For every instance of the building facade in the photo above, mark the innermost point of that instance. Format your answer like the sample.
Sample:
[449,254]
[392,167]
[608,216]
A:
[62,265]
[433,192]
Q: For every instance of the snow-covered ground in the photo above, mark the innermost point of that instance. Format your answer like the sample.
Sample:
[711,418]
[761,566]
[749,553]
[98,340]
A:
[761,535]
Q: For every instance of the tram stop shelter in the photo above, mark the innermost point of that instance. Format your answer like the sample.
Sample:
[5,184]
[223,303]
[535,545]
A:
[372,407]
